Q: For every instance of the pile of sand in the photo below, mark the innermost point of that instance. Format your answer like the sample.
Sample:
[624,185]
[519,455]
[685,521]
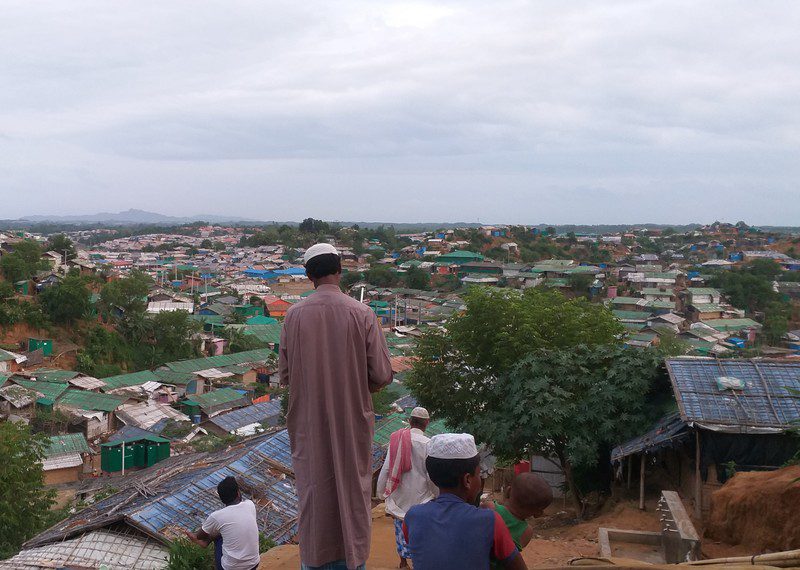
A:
[758,509]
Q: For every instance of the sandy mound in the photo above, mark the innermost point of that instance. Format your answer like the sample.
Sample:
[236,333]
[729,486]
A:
[758,509]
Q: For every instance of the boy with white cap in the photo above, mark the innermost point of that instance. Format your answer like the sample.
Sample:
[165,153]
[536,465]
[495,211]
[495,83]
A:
[449,531]
[403,480]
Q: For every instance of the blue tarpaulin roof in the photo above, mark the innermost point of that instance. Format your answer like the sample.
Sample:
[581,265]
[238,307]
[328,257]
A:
[181,493]
[257,413]
[769,400]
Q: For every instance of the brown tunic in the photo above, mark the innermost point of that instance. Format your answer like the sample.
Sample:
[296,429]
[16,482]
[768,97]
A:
[332,354]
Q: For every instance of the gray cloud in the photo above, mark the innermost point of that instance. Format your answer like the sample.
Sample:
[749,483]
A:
[518,111]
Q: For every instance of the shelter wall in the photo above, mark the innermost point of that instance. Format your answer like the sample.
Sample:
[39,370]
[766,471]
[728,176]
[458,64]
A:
[66,475]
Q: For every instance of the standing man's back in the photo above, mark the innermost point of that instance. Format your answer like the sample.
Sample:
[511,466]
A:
[332,356]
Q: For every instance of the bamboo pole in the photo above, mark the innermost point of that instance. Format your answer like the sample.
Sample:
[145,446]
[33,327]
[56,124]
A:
[641,481]
[787,559]
[630,470]
[698,479]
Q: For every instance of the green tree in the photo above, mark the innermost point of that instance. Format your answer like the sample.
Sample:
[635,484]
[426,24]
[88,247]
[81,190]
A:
[563,402]
[61,244]
[24,502]
[349,279]
[127,295]
[580,283]
[171,336]
[417,278]
[766,268]
[381,276]
[500,326]
[23,262]
[206,244]
[68,301]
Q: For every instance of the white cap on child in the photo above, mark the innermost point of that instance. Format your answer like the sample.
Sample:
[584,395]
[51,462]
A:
[452,446]
[420,413]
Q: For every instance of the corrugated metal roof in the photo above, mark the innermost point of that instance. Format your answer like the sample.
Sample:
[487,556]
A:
[147,414]
[257,413]
[181,493]
[62,462]
[115,550]
[54,375]
[90,400]
[669,430]
[18,396]
[67,443]
[258,355]
[51,390]
[132,379]
[765,401]
[217,398]
[169,377]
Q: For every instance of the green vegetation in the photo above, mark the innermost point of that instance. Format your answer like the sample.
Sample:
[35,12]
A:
[67,301]
[24,502]
[534,372]
[751,288]
[24,262]
[186,555]
[265,543]
[61,244]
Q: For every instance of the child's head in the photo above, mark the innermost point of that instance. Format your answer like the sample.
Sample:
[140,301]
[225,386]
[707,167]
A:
[530,494]
[453,464]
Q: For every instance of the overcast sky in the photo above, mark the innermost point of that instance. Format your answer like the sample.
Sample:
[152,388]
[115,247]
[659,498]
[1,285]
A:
[493,110]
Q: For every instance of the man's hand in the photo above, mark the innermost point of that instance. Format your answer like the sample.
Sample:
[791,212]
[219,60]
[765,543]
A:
[200,538]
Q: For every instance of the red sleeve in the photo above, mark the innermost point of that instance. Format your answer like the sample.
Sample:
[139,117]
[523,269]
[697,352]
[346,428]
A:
[405,531]
[503,548]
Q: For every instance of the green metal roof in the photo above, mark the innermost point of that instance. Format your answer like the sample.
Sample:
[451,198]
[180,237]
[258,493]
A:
[393,422]
[118,442]
[50,390]
[261,320]
[217,397]
[635,315]
[703,291]
[729,325]
[460,254]
[211,319]
[656,291]
[194,365]
[5,355]
[169,377]
[67,443]
[132,379]
[659,304]
[708,307]
[95,401]
[269,334]
[54,375]
[626,300]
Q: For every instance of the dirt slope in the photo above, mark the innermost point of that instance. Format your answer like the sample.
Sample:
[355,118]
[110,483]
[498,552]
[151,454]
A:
[760,510]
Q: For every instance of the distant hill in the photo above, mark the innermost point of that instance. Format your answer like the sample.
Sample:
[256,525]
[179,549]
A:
[131,216]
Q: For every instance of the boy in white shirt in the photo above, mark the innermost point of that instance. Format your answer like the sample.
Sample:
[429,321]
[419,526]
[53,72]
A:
[233,529]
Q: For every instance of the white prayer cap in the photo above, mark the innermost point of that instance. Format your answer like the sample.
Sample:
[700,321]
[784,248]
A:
[452,446]
[420,413]
[318,249]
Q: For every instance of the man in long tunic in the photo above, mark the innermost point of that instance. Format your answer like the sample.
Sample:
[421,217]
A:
[333,355]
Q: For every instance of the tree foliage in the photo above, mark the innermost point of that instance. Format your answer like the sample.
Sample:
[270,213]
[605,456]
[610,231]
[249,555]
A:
[416,278]
[125,296]
[535,372]
[67,301]
[24,262]
[24,503]
[60,243]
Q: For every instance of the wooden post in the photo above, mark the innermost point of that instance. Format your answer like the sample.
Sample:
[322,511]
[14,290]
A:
[641,481]
[630,470]
[698,479]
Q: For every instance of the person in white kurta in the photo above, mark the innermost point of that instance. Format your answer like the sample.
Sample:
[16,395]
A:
[415,486]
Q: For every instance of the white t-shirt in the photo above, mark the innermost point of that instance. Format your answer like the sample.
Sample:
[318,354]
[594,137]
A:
[237,526]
